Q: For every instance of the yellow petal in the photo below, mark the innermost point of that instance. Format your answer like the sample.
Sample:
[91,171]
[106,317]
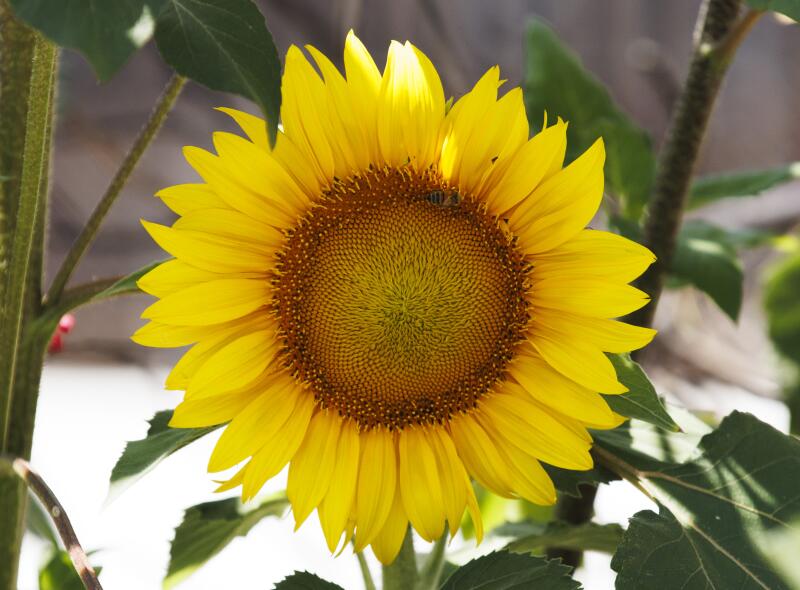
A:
[174,275]
[534,431]
[255,425]
[207,252]
[254,127]
[311,470]
[281,447]
[562,205]
[377,480]
[480,455]
[363,81]
[165,336]
[556,391]
[208,303]
[420,483]
[233,482]
[334,512]
[185,198]
[237,364]
[592,297]
[387,544]
[529,478]
[210,411]
[453,477]
[607,335]
[234,226]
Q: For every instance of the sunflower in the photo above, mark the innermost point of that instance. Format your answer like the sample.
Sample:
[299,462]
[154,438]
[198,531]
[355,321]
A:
[399,297]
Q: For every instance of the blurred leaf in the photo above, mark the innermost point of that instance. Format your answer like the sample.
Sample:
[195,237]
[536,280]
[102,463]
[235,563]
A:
[708,261]
[305,581]
[641,400]
[225,45]
[502,570]
[790,8]
[568,481]
[715,508]
[59,574]
[107,33]
[126,284]
[533,537]
[782,303]
[141,456]
[207,528]
[740,184]
[781,548]
[40,524]
[556,82]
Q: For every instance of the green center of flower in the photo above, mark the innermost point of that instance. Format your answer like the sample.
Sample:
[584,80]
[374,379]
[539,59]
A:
[399,301]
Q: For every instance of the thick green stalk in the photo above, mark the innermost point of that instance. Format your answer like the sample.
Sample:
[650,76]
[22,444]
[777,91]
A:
[146,136]
[718,34]
[366,575]
[431,572]
[23,346]
[402,573]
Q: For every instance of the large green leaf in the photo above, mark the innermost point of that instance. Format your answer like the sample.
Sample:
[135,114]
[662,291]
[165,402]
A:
[782,303]
[569,481]
[305,581]
[502,570]
[225,45]
[708,260]
[556,82]
[641,400]
[207,528]
[106,32]
[740,184]
[141,456]
[715,509]
[790,8]
[536,537]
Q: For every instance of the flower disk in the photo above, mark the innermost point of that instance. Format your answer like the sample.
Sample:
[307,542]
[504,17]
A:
[396,308]
[395,299]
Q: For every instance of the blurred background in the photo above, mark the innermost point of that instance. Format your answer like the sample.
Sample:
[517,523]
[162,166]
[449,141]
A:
[101,388]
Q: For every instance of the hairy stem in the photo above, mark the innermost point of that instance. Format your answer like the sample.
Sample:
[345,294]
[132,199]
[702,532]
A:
[402,573]
[146,136]
[718,34]
[80,561]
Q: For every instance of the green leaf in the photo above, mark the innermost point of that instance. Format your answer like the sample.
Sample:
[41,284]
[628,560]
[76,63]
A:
[305,581]
[715,510]
[568,481]
[535,537]
[707,260]
[502,570]
[790,8]
[141,456]
[40,524]
[207,528]
[782,304]
[59,574]
[641,400]
[781,548]
[107,33]
[556,82]
[740,184]
[225,45]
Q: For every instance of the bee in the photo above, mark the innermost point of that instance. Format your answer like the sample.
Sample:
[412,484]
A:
[443,198]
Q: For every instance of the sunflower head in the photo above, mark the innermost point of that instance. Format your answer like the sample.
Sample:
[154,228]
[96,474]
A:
[395,299]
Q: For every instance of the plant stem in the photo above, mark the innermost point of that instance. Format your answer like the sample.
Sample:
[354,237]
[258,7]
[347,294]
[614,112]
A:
[146,136]
[432,570]
[20,467]
[369,583]
[402,573]
[718,34]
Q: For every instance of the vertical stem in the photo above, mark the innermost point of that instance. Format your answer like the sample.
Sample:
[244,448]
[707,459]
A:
[146,135]
[717,36]
[402,574]
[23,349]
[432,570]
[369,583]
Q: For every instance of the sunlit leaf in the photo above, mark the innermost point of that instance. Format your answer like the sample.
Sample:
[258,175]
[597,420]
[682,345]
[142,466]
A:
[536,537]
[740,184]
[225,45]
[106,32]
[207,529]
[59,573]
[790,8]
[641,400]
[141,456]
[305,581]
[556,82]
[715,507]
[782,303]
[502,570]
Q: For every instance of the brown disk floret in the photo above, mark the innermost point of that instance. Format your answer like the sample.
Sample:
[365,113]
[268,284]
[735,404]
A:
[399,301]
